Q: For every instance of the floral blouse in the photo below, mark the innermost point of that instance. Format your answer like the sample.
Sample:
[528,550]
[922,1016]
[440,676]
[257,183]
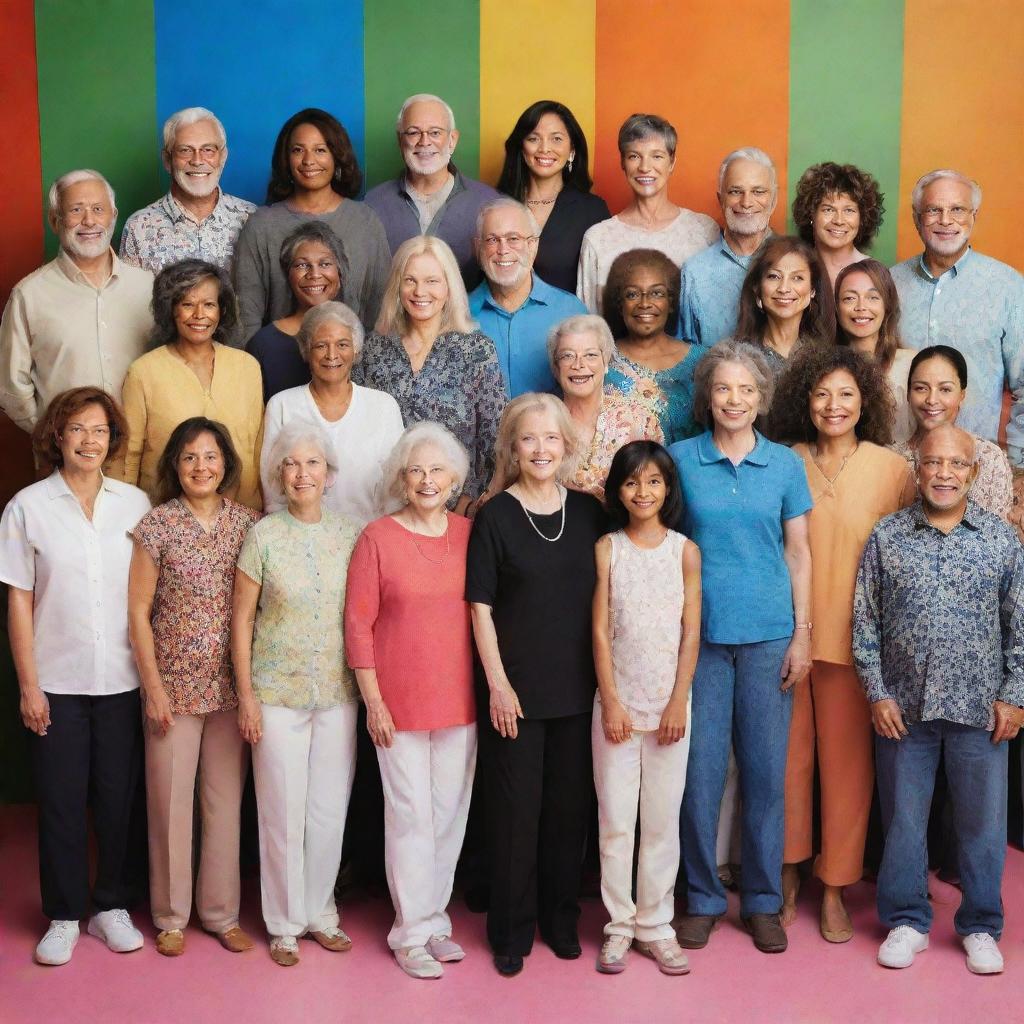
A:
[298,658]
[191,615]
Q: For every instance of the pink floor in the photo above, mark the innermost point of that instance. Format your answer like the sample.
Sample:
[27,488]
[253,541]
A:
[730,980]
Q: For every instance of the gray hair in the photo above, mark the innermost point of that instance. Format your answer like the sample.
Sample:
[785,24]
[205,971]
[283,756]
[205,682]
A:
[502,203]
[65,181]
[294,433]
[192,115]
[329,313]
[926,179]
[425,97]
[754,155]
[749,357]
[643,126]
[581,323]
[393,471]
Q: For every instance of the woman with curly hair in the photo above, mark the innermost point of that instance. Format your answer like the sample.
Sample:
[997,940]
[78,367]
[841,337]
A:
[835,405]
[838,208]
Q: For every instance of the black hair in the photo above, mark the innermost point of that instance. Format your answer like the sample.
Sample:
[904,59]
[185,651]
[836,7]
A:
[947,352]
[628,461]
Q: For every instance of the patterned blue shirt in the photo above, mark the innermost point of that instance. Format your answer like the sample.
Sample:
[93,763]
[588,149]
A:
[938,619]
[709,293]
[977,306]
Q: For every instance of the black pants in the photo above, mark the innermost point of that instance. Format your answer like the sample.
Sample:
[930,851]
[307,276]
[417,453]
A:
[537,788]
[91,753]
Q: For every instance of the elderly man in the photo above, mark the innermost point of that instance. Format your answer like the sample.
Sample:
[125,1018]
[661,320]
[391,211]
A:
[196,219]
[432,197]
[711,281]
[938,638]
[513,306]
[952,295]
[80,319]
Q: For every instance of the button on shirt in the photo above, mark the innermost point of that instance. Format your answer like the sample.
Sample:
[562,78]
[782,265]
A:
[78,571]
[977,306]
[709,293]
[938,617]
[521,337]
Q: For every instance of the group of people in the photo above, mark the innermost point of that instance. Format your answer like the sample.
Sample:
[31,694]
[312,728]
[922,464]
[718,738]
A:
[631,505]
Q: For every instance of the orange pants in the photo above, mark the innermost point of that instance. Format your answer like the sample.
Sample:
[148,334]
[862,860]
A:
[830,707]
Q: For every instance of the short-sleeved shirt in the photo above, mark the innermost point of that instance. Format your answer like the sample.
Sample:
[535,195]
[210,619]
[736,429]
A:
[541,594]
[298,649]
[191,615]
[735,514]
[77,570]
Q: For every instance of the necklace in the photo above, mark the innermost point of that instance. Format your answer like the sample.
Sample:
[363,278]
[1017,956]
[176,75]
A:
[540,202]
[557,536]
[447,549]
[831,480]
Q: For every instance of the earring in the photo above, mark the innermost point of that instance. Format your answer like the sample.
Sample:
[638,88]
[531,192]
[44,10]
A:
[572,156]
[757,302]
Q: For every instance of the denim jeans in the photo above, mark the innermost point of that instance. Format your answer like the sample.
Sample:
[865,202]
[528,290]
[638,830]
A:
[976,770]
[736,697]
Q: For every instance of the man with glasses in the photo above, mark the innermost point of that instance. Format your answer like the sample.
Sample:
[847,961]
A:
[431,197]
[196,219]
[513,306]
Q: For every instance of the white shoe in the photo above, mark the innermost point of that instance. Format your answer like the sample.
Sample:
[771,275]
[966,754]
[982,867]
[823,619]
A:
[57,945]
[614,954]
[115,929]
[983,956]
[899,948]
[418,963]
[444,950]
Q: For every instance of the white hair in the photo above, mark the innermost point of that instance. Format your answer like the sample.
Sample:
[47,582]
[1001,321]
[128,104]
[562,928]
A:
[191,115]
[425,97]
[926,179]
[754,155]
[65,181]
[581,323]
[293,434]
[393,473]
[502,203]
[329,313]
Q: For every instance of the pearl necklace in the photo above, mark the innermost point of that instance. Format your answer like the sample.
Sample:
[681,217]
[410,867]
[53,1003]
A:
[529,518]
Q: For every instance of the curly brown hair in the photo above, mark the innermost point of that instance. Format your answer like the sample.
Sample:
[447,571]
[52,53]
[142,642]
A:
[47,432]
[619,274]
[822,181]
[790,418]
[348,178]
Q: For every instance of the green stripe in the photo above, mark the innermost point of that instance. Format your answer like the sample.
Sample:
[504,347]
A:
[97,96]
[845,91]
[413,46]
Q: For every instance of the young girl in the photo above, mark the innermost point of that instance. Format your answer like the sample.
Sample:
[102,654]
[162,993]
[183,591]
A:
[646,637]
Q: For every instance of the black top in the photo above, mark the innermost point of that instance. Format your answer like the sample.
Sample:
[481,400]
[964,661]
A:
[541,595]
[280,360]
[558,251]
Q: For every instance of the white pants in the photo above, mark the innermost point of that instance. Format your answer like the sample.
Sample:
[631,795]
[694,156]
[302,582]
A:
[303,768]
[639,772]
[427,779]
[727,846]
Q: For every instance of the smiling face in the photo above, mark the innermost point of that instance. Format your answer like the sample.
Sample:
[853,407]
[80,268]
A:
[645,303]
[861,308]
[196,158]
[946,469]
[647,165]
[424,290]
[580,365]
[935,394]
[313,276]
[425,137]
[539,446]
[309,159]
[946,217]
[835,404]
[735,398]
[786,288]
[200,466]
[428,478]
[547,149]
[507,247]
[836,222]
[86,222]
[747,197]
[304,475]
[643,494]
[331,353]
[85,439]
[197,313]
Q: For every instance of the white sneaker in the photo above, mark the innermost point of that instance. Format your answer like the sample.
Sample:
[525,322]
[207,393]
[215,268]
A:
[444,950]
[418,963]
[115,929]
[899,948]
[57,945]
[983,956]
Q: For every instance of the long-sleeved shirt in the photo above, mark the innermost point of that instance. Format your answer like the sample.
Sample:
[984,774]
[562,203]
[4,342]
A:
[709,293]
[938,618]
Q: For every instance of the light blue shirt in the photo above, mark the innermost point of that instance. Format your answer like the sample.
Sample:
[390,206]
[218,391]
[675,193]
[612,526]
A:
[709,293]
[521,337]
[977,307]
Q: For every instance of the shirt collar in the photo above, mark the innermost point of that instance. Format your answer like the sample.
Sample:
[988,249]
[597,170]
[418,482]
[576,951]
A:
[175,212]
[73,273]
[740,261]
[707,451]
[57,486]
[954,270]
[970,519]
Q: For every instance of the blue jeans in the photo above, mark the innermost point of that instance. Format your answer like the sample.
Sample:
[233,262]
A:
[976,770]
[736,697]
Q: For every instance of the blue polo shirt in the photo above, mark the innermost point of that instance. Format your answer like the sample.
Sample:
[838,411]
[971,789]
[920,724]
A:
[735,514]
[521,338]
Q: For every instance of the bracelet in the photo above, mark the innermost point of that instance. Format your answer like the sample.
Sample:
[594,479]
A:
[803,625]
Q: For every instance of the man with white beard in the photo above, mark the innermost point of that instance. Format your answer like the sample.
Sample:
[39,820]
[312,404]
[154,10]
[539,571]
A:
[431,197]
[80,319]
[711,280]
[196,219]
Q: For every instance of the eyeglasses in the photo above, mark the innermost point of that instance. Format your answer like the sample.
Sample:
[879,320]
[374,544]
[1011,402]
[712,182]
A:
[657,294]
[415,135]
[591,356]
[207,152]
[934,463]
[513,241]
[960,214]
[304,266]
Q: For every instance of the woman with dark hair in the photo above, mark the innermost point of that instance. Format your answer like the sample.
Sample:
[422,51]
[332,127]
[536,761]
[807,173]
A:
[313,260]
[179,623]
[64,554]
[834,406]
[641,306]
[314,175]
[192,373]
[838,209]
[546,167]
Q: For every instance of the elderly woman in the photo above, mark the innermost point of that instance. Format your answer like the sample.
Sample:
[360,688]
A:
[429,357]
[647,152]
[746,503]
[835,408]
[179,622]
[189,373]
[641,306]
[579,349]
[64,555]
[546,167]
[296,696]
[530,580]
[868,320]
[407,634]
[315,265]
[314,175]
[362,424]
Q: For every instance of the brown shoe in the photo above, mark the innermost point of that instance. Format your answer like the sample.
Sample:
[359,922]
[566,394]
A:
[234,940]
[284,950]
[767,931]
[171,943]
[694,930]
[333,939]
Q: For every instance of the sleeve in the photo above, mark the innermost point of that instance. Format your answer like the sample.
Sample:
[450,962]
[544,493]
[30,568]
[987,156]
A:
[1011,618]
[273,423]
[250,559]
[483,559]
[149,533]
[689,319]
[257,422]
[362,603]
[17,556]
[796,500]
[1013,363]
[490,403]
[587,286]
[133,400]
[251,280]
[378,268]
[129,249]
[18,397]
[712,232]
[867,622]
[1001,485]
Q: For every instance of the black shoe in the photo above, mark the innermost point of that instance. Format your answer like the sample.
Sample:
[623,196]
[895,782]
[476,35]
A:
[768,934]
[508,966]
[566,950]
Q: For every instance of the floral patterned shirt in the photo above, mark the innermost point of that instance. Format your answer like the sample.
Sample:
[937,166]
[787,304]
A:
[298,658]
[938,619]
[191,615]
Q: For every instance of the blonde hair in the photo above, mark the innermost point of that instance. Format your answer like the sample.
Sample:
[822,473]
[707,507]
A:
[506,470]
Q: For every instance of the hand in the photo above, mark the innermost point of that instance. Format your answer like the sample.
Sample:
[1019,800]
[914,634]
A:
[379,723]
[1008,721]
[672,727]
[35,711]
[157,706]
[250,719]
[887,719]
[797,662]
[615,720]
[505,711]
